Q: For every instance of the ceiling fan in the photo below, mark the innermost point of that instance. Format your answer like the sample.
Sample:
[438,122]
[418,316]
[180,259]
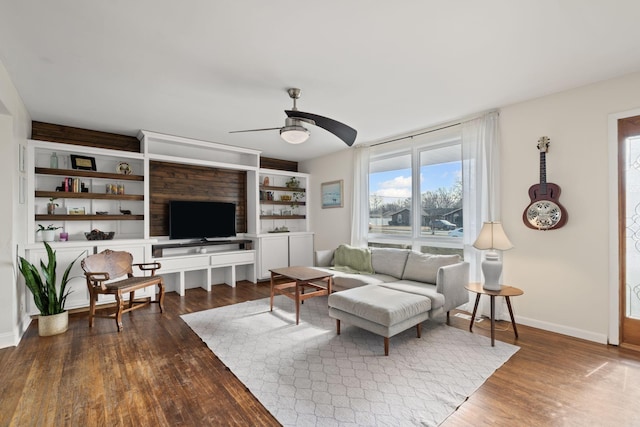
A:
[295,133]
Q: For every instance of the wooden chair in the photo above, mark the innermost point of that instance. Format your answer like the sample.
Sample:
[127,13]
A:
[110,272]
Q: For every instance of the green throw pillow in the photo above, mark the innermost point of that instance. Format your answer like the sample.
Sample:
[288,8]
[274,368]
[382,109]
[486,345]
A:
[351,259]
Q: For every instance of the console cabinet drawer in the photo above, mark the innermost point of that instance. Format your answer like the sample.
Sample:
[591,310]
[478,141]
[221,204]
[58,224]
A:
[183,263]
[244,257]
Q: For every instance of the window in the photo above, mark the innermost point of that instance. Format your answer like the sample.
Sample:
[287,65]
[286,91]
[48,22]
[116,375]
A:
[390,195]
[441,191]
[415,194]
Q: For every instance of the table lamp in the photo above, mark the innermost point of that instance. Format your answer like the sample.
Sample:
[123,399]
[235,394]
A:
[492,237]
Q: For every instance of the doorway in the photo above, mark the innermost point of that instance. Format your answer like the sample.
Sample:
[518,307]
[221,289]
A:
[629,229]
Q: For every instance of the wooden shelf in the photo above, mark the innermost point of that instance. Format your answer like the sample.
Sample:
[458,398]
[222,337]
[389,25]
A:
[282,217]
[296,190]
[76,195]
[244,244]
[281,202]
[88,174]
[89,217]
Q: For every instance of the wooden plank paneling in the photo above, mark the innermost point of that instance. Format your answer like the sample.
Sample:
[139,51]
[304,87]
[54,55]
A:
[89,138]
[284,165]
[171,181]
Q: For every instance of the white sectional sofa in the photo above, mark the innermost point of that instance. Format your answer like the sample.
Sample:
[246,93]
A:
[442,278]
[397,290]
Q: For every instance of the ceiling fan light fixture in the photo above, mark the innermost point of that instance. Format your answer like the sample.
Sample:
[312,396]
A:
[294,134]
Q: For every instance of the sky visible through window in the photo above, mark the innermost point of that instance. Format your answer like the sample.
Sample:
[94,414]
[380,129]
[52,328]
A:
[396,184]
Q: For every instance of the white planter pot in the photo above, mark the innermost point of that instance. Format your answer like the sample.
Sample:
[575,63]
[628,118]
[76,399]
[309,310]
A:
[54,324]
[48,235]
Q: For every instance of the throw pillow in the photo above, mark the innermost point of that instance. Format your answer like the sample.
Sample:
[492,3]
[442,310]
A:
[389,261]
[350,258]
[424,267]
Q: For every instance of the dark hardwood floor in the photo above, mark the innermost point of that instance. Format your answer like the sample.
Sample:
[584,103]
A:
[158,372]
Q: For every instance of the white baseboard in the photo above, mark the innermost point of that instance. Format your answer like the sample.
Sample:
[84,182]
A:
[8,339]
[12,339]
[564,330]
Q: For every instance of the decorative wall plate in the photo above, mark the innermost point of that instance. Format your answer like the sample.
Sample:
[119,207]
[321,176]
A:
[124,168]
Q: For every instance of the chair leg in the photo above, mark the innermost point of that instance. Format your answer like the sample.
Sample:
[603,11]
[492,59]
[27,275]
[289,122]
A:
[132,296]
[161,296]
[120,308]
[92,308]
[419,330]
[386,346]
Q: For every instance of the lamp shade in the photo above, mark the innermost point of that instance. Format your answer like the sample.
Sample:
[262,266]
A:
[492,236]
[294,134]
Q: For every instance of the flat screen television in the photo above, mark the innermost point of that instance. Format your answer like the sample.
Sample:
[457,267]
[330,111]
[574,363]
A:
[201,220]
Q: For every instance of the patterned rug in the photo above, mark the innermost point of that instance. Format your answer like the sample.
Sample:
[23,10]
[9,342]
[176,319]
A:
[306,375]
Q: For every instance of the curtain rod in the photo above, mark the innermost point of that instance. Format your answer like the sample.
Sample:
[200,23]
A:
[439,127]
[415,134]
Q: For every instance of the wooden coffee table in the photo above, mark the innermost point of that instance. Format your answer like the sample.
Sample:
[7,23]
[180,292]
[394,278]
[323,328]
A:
[301,279]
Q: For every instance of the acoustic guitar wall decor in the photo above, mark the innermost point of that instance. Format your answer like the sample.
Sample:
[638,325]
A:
[545,211]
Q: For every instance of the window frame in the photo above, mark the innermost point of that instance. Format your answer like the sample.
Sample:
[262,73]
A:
[415,147]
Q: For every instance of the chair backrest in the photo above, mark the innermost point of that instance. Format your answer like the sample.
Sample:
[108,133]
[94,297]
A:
[115,263]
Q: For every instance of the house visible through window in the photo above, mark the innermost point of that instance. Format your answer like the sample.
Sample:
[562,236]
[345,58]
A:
[415,194]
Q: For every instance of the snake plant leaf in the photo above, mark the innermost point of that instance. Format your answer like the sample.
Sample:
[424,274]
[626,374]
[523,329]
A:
[47,298]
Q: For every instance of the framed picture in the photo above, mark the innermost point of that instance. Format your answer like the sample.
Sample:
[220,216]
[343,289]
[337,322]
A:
[331,194]
[83,162]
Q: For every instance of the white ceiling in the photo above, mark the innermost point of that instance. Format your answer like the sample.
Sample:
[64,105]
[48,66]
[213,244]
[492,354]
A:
[202,68]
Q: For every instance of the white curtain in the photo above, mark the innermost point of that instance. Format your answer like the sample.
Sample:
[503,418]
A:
[481,192]
[360,205]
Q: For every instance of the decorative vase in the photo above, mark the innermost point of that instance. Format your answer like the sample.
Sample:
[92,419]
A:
[53,324]
[48,235]
[51,208]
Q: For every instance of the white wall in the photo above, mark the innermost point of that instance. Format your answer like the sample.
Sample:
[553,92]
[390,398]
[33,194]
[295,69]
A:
[564,272]
[331,226]
[15,127]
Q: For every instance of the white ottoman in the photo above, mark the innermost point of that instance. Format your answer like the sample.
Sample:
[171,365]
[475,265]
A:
[380,310]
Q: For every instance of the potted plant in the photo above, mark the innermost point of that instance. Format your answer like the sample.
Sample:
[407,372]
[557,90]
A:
[53,319]
[296,198]
[293,182]
[51,206]
[48,232]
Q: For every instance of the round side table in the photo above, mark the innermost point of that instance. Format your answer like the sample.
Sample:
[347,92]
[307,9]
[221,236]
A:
[506,292]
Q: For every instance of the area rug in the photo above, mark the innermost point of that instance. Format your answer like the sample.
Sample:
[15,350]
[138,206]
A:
[306,375]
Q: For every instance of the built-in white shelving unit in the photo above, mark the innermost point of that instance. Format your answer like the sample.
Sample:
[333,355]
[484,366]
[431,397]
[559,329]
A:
[277,212]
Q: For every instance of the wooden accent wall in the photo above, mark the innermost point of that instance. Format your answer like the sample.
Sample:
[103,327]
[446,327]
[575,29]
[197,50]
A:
[284,165]
[89,138]
[171,181]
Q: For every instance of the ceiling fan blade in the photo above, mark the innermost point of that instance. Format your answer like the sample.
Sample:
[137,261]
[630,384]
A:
[254,130]
[342,131]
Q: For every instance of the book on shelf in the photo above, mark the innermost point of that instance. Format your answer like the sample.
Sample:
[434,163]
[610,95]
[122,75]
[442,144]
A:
[72,185]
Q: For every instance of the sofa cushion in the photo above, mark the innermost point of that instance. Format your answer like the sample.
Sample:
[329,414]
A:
[352,259]
[424,267]
[418,288]
[342,280]
[324,258]
[380,305]
[389,261]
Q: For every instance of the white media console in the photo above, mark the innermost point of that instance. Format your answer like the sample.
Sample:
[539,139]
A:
[223,255]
